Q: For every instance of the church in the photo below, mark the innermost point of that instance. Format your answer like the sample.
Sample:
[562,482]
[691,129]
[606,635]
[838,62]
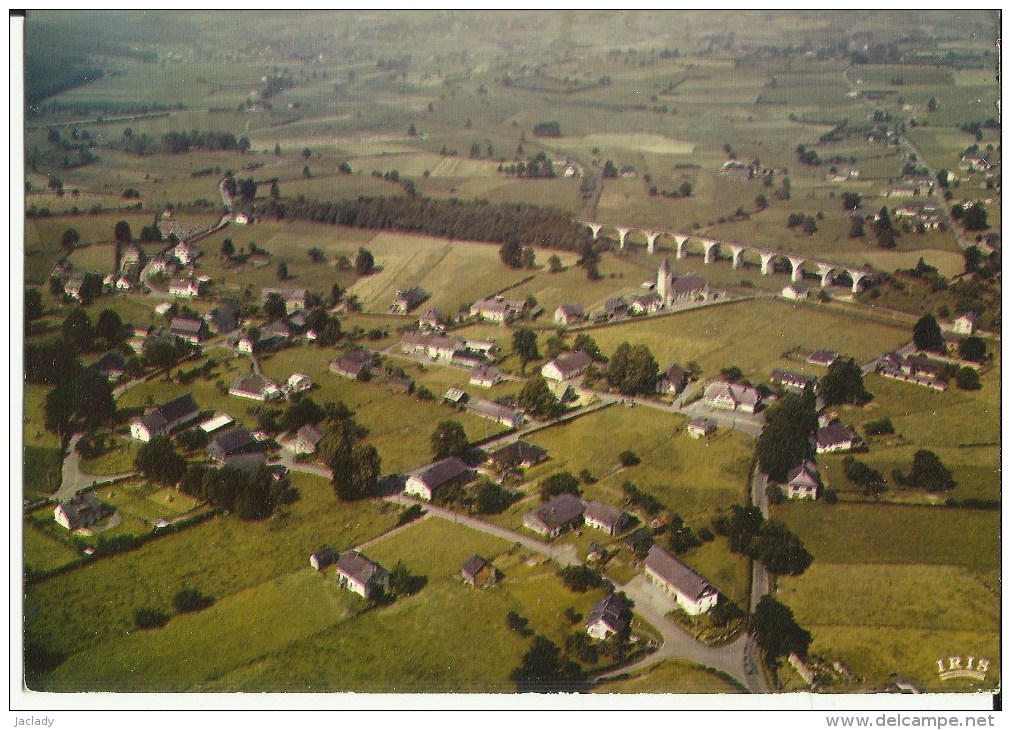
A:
[674,290]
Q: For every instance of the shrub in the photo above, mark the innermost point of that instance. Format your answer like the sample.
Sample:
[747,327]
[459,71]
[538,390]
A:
[190,599]
[880,427]
[579,578]
[150,618]
[629,458]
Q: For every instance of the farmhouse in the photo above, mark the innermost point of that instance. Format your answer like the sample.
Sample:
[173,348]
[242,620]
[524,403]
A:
[73,285]
[550,520]
[795,291]
[356,364]
[426,481]
[468,360]
[131,259]
[974,162]
[162,309]
[279,328]
[294,299]
[235,443]
[299,383]
[485,375]
[802,481]
[360,575]
[305,440]
[822,358]
[964,324]
[437,347]
[566,314]
[609,616]
[408,299]
[323,557]
[81,511]
[604,517]
[672,380]
[161,420]
[433,320]
[111,365]
[254,387]
[568,366]
[834,438]
[693,593]
[185,288]
[191,330]
[518,454]
[185,253]
[792,381]
[496,309]
[223,319]
[735,169]
[476,571]
[505,415]
[699,427]
[732,397]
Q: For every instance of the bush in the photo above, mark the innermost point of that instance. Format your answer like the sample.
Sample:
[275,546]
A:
[150,618]
[561,483]
[629,458]
[517,623]
[880,427]
[410,514]
[190,599]
[573,615]
[579,578]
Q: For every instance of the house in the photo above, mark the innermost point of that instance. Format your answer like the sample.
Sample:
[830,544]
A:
[298,383]
[294,299]
[568,366]
[80,511]
[111,365]
[550,520]
[254,387]
[162,309]
[566,314]
[700,427]
[189,329]
[505,415]
[639,540]
[485,375]
[218,422]
[604,517]
[185,253]
[323,557]
[485,348]
[456,397]
[792,381]
[822,357]
[402,383]
[615,307]
[437,347]
[223,319]
[964,324]
[646,303]
[735,169]
[161,420]
[160,265]
[185,288]
[974,162]
[73,285]
[131,259]
[834,438]
[496,309]
[795,291]
[672,380]
[693,593]
[609,616]
[279,328]
[408,299]
[476,571]
[732,397]
[433,320]
[239,442]
[360,575]
[518,454]
[305,440]
[426,481]
[356,364]
[469,360]
[802,481]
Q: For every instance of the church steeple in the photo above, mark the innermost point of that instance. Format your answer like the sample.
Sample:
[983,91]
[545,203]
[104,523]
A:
[663,281]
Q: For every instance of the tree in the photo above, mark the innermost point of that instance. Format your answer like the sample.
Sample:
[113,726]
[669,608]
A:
[629,458]
[850,201]
[274,307]
[559,483]
[449,439]
[275,190]
[122,232]
[967,379]
[307,153]
[412,131]
[973,258]
[525,345]
[110,327]
[227,248]
[856,227]
[844,383]
[974,218]
[632,369]
[927,334]
[282,270]
[610,169]
[543,669]
[33,305]
[777,630]
[364,262]
[579,578]
[810,226]
[761,202]
[277,150]
[158,461]
[872,480]
[187,600]
[491,499]
[785,439]
[517,623]
[555,264]
[932,104]
[316,255]
[588,345]
[537,399]
[70,239]
[780,550]
[928,472]
[972,348]
[306,172]
[528,258]
[511,254]
[355,464]
[685,190]
[77,330]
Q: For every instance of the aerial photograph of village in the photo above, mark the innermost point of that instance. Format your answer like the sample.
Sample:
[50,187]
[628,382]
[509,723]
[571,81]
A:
[451,352]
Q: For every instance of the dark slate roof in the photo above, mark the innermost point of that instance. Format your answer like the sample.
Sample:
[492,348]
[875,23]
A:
[177,408]
[357,566]
[187,325]
[559,511]
[605,514]
[491,409]
[688,283]
[223,316]
[823,357]
[613,610]
[472,565]
[109,362]
[234,442]
[519,452]
[326,555]
[81,508]
[638,536]
[249,383]
[310,433]
[572,362]
[437,474]
[787,377]
[676,573]
[835,433]
[675,373]
[571,310]
[804,474]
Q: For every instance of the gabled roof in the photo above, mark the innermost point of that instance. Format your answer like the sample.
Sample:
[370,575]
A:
[612,611]
[235,442]
[433,315]
[605,514]
[442,471]
[804,474]
[570,310]
[485,372]
[675,373]
[676,574]
[81,507]
[787,377]
[310,433]
[177,408]
[251,384]
[559,511]
[823,357]
[473,565]
[688,283]
[736,392]
[326,555]
[664,267]
[355,565]
[572,362]
[187,325]
[519,452]
[834,433]
[491,409]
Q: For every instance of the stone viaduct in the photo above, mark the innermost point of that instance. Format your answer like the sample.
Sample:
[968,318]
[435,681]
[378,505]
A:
[710,247]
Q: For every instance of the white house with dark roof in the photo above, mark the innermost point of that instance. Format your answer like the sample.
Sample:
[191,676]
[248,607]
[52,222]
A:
[834,438]
[162,420]
[237,443]
[407,299]
[425,482]
[304,441]
[294,299]
[254,387]
[298,383]
[611,520]
[476,571]
[822,357]
[186,253]
[728,396]
[672,380]
[802,481]
[609,616]
[80,511]
[566,314]
[550,520]
[518,454]
[792,381]
[485,376]
[356,364]
[111,365]
[185,288]
[506,415]
[699,427]
[432,345]
[189,329]
[568,366]
[358,574]
[693,593]
[433,320]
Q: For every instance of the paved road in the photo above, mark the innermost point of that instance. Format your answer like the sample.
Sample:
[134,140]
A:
[74,479]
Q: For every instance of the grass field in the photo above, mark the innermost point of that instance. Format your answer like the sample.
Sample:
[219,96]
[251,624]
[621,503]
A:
[44,552]
[673,676]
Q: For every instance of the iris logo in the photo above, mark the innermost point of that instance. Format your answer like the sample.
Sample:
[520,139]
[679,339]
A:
[956,667]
